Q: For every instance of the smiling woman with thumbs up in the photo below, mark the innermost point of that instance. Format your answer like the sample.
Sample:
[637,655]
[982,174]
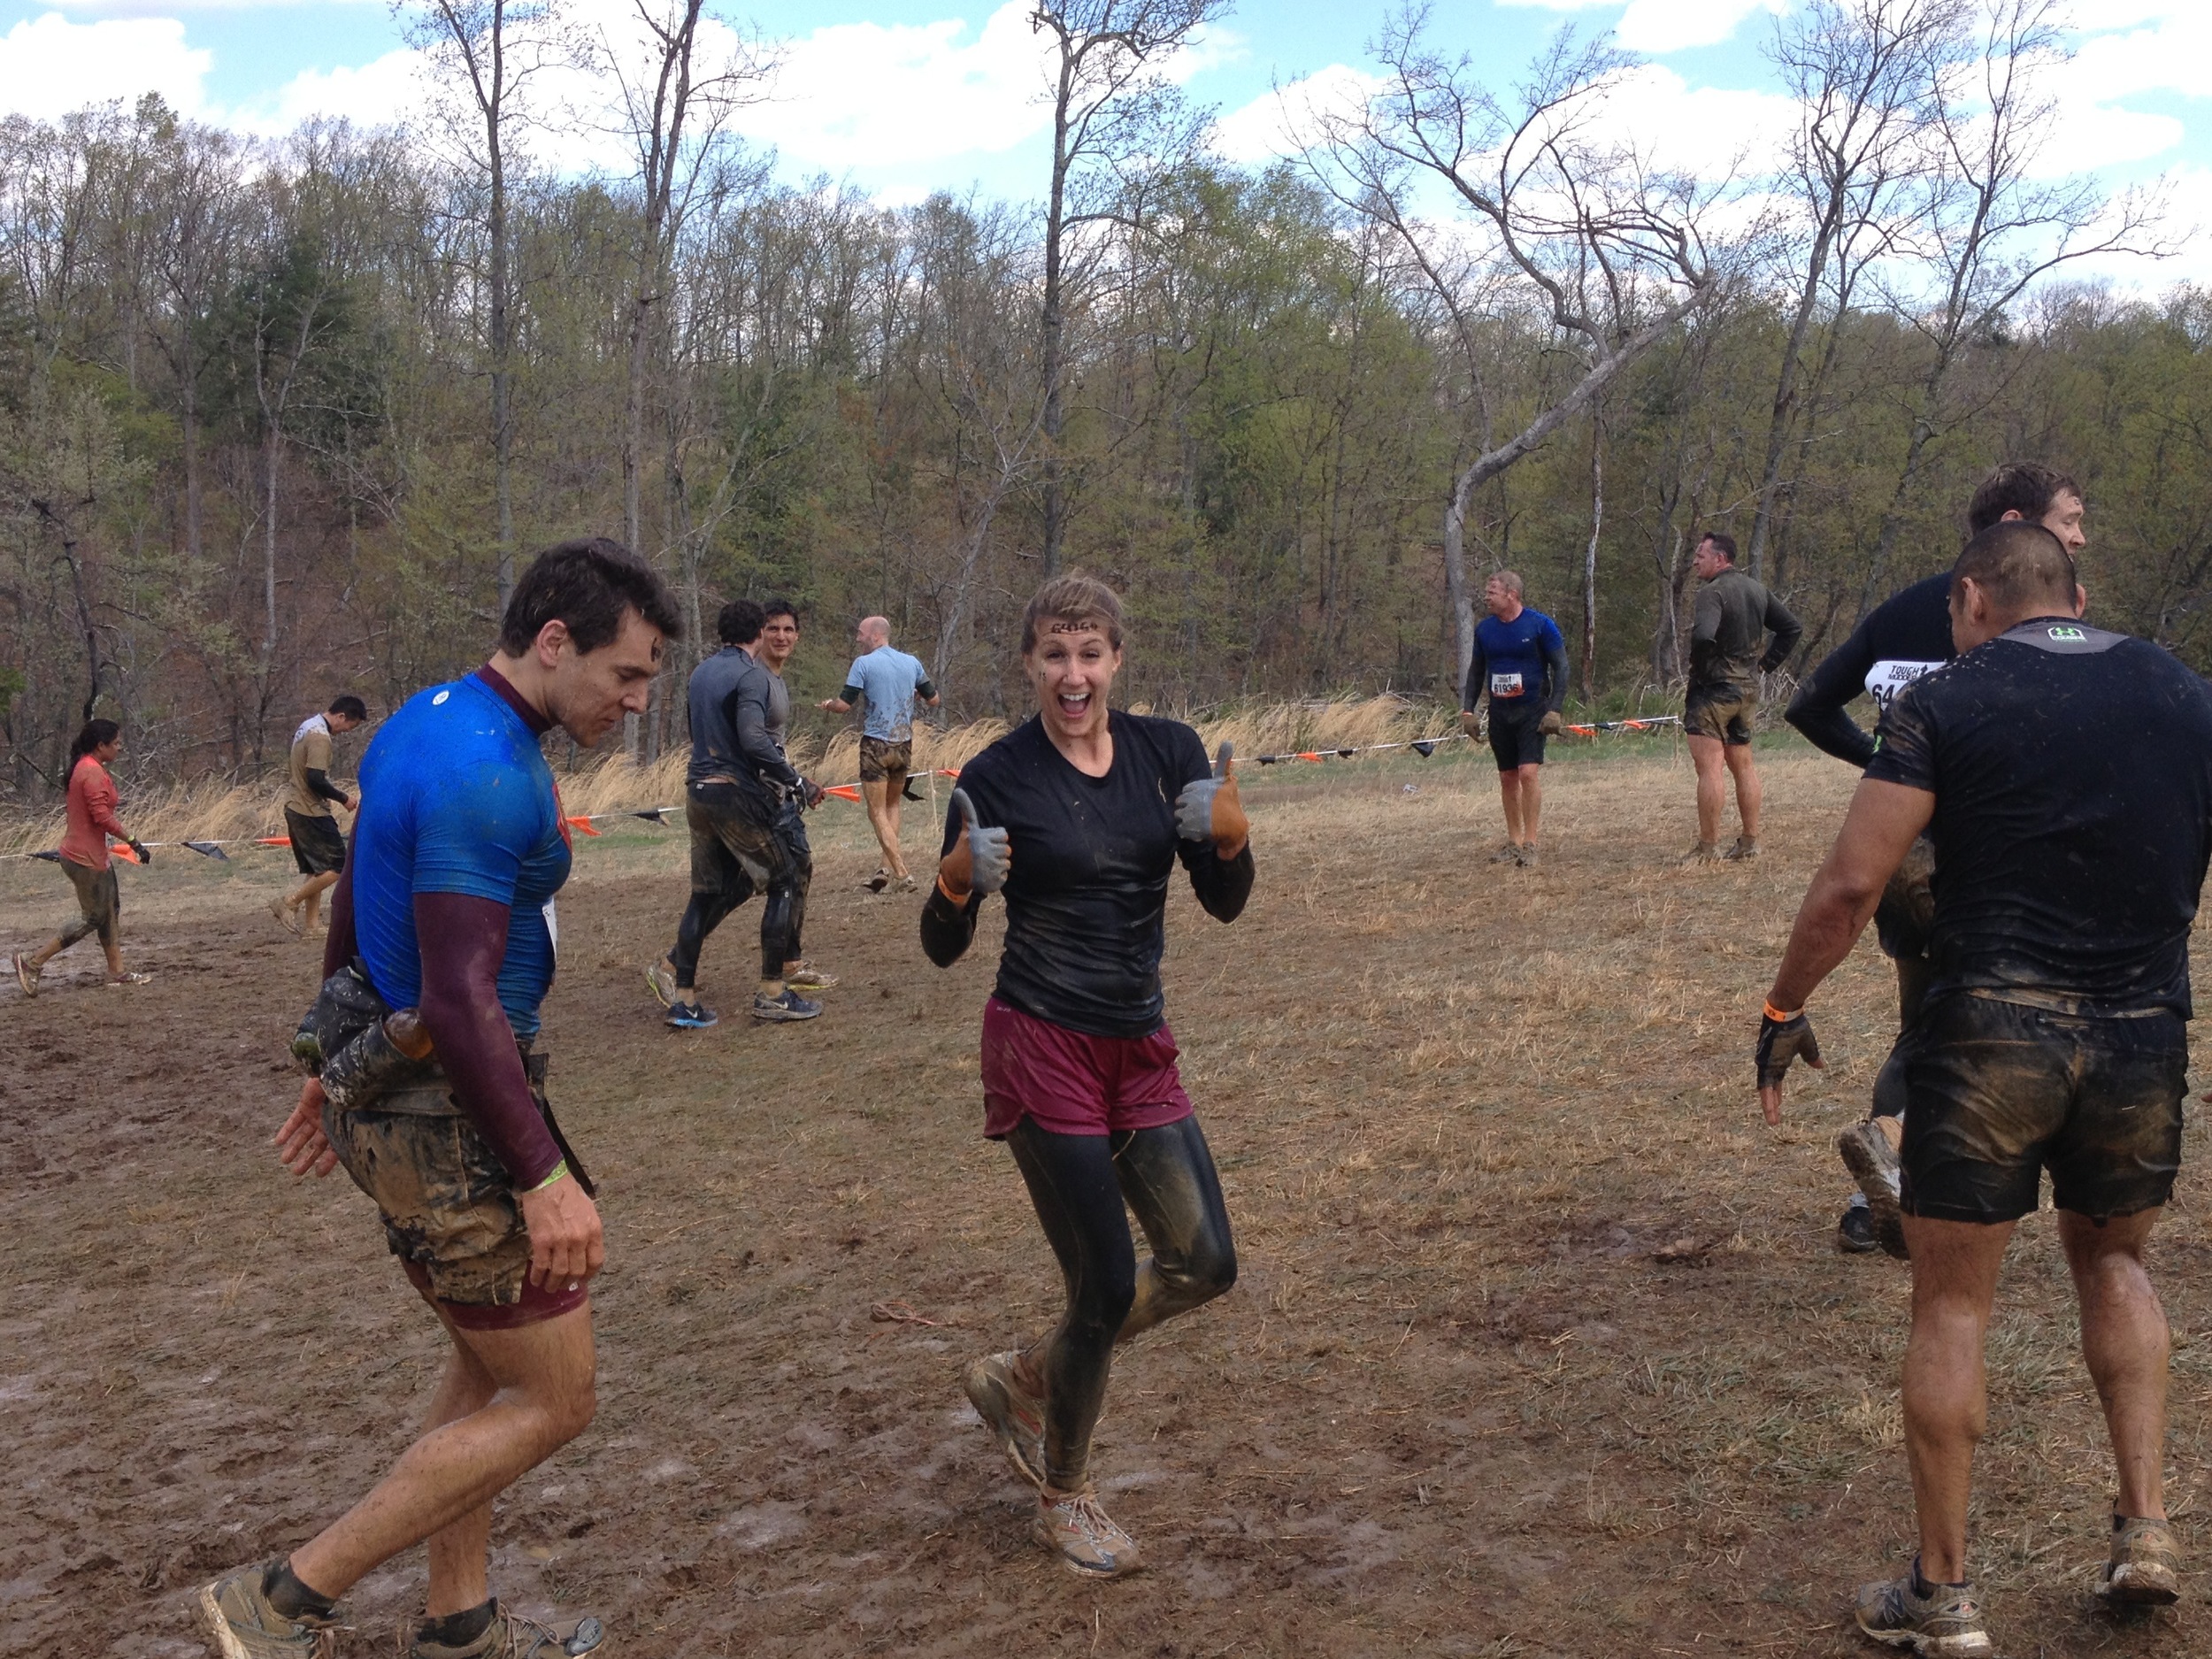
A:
[1079,817]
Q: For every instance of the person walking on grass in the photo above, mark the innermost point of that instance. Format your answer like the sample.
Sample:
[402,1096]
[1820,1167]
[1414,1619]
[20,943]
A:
[889,682]
[2064,775]
[1079,816]
[92,804]
[1902,638]
[448,902]
[319,848]
[1520,663]
[1734,614]
[742,801]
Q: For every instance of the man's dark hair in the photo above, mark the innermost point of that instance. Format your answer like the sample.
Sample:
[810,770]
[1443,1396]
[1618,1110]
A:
[2027,487]
[1722,543]
[590,584]
[780,608]
[2021,566]
[740,621]
[349,705]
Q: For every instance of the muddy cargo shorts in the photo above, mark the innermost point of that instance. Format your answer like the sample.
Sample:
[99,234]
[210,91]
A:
[1996,1093]
[883,761]
[448,1208]
[1721,710]
[99,903]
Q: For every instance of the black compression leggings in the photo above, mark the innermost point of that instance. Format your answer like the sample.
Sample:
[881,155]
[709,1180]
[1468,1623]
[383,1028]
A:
[1078,1184]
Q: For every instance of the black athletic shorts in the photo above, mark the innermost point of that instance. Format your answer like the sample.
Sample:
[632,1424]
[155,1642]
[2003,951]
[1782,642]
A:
[1514,738]
[1996,1093]
[318,846]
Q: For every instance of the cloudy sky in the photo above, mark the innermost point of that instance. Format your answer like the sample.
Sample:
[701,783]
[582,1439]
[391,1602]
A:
[904,96]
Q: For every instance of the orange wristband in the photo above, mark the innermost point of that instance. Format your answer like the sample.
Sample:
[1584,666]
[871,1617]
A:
[951,898]
[1776,1014]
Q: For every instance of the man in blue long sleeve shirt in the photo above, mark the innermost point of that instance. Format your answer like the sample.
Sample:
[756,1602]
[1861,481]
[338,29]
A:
[1520,662]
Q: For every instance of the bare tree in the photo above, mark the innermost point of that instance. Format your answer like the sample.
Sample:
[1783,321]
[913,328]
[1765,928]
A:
[489,49]
[1987,230]
[1867,75]
[1590,237]
[1110,111]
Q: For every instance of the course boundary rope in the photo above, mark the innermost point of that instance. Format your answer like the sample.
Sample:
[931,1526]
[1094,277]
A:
[582,822]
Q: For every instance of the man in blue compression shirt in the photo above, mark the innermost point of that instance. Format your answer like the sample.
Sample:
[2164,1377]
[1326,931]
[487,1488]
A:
[1520,661]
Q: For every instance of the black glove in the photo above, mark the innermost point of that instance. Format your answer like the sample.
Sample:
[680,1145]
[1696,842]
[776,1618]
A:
[144,857]
[1782,1042]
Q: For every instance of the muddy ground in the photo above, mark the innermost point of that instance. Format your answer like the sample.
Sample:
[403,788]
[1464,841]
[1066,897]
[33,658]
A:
[1540,1344]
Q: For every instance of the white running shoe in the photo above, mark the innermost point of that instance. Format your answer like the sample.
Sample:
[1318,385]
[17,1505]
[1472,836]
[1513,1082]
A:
[1084,1536]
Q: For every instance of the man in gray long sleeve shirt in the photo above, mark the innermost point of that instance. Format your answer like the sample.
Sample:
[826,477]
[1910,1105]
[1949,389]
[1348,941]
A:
[742,800]
[1734,615]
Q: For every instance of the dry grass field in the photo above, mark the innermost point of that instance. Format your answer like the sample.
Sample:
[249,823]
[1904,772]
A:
[1540,1344]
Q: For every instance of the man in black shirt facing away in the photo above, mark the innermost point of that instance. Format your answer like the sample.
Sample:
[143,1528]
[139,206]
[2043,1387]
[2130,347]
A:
[2065,776]
[1906,636]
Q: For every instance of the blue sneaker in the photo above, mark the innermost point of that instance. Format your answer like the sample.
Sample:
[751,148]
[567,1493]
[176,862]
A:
[692,1016]
[790,1005]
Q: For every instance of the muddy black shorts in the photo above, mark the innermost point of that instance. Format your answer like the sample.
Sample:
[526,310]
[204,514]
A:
[883,761]
[449,1209]
[318,846]
[99,903]
[1721,710]
[1996,1093]
[1514,738]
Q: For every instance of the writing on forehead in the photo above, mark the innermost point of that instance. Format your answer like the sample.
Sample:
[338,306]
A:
[1074,627]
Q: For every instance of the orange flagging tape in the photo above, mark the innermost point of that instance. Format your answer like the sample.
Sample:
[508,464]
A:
[583,823]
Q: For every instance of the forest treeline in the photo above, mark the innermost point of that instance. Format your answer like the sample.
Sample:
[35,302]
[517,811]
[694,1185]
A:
[276,418]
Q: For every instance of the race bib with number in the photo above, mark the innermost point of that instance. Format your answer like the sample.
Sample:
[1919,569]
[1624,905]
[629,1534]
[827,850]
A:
[1890,676]
[1505,684]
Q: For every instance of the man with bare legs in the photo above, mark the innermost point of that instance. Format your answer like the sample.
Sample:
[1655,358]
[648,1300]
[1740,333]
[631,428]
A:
[442,927]
[888,682]
[1734,614]
[1519,662]
[2064,775]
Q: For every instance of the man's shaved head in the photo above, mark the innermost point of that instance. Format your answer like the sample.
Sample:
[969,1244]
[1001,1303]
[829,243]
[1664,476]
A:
[2024,569]
[877,629]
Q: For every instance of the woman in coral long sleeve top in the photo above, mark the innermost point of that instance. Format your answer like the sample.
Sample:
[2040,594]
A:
[84,859]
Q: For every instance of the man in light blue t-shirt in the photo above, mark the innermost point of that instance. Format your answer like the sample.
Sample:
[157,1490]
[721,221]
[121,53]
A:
[889,681]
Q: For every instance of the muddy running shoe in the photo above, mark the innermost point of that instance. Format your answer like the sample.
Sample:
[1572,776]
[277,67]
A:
[691,1016]
[1873,1162]
[511,1636]
[661,979]
[1745,850]
[238,1615]
[1015,1416]
[877,882]
[1528,856]
[790,1005]
[907,884]
[25,975]
[810,978]
[1507,854]
[122,979]
[2146,1568]
[1943,1624]
[1084,1537]
[288,918]
[1854,1230]
[1702,853]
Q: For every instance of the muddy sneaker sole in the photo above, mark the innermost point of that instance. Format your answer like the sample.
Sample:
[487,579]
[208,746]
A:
[267,1634]
[990,1391]
[1872,1171]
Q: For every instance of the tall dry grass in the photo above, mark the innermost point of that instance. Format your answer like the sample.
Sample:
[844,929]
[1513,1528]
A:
[219,810]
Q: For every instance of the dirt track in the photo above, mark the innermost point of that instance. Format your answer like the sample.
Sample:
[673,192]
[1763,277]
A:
[1540,1346]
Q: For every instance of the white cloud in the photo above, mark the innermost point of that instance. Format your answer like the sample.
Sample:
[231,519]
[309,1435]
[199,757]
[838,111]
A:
[49,65]
[1668,26]
[1288,119]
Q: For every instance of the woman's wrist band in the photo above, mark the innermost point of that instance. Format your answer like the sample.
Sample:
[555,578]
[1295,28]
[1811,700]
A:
[552,1175]
[1776,1014]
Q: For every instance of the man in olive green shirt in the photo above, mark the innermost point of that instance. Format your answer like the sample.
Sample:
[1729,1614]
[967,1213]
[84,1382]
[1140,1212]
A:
[319,848]
[1734,615]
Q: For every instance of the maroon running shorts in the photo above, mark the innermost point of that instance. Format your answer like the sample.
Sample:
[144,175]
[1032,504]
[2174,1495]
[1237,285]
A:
[1074,1084]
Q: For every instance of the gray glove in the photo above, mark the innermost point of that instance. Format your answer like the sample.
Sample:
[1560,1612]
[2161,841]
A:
[1209,809]
[988,854]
